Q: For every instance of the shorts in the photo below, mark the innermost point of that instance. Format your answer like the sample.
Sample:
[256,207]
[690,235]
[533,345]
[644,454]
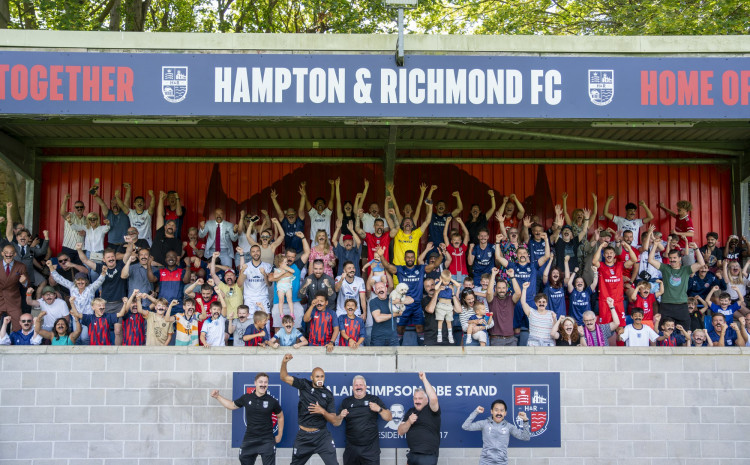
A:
[252,301]
[444,312]
[535,342]
[481,336]
[113,307]
[413,458]
[320,442]
[412,316]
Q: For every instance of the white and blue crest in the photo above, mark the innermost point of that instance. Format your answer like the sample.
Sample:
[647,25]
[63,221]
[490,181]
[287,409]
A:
[601,86]
[174,83]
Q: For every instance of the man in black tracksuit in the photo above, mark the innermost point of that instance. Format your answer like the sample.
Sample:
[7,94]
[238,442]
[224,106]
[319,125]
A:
[259,407]
[361,411]
[315,409]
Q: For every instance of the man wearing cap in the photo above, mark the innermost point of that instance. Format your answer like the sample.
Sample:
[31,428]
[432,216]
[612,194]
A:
[166,238]
[349,249]
[53,307]
[232,291]
[629,222]
[71,236]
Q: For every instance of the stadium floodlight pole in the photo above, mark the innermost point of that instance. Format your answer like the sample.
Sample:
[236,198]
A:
[400,5]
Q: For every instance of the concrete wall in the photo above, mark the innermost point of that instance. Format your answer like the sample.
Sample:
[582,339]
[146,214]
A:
[95,406]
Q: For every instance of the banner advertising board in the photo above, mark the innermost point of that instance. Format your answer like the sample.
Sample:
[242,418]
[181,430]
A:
[371,86]
[537,394]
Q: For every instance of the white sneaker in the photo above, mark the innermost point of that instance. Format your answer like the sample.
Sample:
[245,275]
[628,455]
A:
[450,338]
[440,338]
[468,338]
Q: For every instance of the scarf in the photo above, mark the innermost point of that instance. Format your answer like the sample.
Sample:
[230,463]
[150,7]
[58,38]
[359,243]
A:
[590,338]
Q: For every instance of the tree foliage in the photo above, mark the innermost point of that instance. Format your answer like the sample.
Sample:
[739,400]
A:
[562,17]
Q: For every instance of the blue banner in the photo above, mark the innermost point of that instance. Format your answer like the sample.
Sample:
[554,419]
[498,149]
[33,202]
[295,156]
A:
[537,394]
[350,86]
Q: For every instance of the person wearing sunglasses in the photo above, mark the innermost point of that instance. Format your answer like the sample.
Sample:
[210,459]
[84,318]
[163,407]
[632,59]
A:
[24,336]
[77,217]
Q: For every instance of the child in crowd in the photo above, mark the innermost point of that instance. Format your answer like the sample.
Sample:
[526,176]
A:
[351,327]
[212,331]
[643,298]
[726,307]
[578,293]
[289,337]
[101,325]
[60,334]
[447,288]
[699,338]
[637,334]
[480,292]
[541,321]
[133,323]
[284,275]
[456,248]
[238,326]
[478,325]
[377,273]
[187,330]
[697,313]
[52,307]
[256,335]
[159,326]
[81,291]
[667,334]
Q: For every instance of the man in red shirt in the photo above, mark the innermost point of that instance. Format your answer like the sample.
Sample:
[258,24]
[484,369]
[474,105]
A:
[610,279]
[684,225]
[373,241]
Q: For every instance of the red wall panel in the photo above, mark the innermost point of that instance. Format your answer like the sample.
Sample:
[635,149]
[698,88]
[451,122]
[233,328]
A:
[205,186]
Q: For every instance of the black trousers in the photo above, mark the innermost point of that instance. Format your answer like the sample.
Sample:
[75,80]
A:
[320,442]
[267,452]
[362,455]
[421,459]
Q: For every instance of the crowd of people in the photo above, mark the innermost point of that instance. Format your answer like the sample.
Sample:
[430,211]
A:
[132,273]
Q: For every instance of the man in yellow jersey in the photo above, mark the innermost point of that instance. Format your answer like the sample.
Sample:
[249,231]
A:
[406,237]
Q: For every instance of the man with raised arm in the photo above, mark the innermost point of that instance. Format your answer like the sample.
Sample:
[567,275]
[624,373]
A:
[316,408]
[292,221]
[70,235]
[166,237]
[260,406]
[440,217]
[361,411]
[140,217]
[406,238]
[118,220]
[629,222]
[422,426]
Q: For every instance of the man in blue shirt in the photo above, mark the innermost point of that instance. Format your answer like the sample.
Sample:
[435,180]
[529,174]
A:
[440,217]
[412,275]
[723,335]
[481,257]
[292,221]
[24,336]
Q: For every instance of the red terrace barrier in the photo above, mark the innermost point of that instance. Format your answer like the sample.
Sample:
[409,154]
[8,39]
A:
[205,186]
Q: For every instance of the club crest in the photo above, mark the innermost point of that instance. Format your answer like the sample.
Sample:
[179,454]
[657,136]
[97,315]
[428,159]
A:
[601,86]
[174,83]
[534,401]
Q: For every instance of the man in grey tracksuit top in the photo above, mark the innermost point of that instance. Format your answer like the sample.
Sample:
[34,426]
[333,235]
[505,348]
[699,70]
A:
[496,433]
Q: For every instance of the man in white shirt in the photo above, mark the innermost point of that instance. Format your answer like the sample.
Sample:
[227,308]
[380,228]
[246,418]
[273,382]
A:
[350,286]
[254,277]
[140,217]
[637,334]
[629,222]
[320,213]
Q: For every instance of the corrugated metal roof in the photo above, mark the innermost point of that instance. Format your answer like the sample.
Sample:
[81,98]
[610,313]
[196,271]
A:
[730,135]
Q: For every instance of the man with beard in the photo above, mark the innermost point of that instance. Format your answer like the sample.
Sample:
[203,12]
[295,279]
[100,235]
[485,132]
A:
[219,236]
[118,220]
[260,407]
[171,280]
[114,287]
[713,255]
[316,408]
[361,411]
[230,287]
[501,304]
[316,282]
[350,286]
[319,211]
[70,235]
[406,238]
[413,276]
[524,271]
[166,238]
[384,327]
[496,432]
[175,211]
[136,272]
[254,277]
[132,241]
[345,249]
[422,426]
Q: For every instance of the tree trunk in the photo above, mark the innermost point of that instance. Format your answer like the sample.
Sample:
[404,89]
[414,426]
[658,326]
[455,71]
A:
[135,15]
[28,15]
[115,20]
[4,14]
